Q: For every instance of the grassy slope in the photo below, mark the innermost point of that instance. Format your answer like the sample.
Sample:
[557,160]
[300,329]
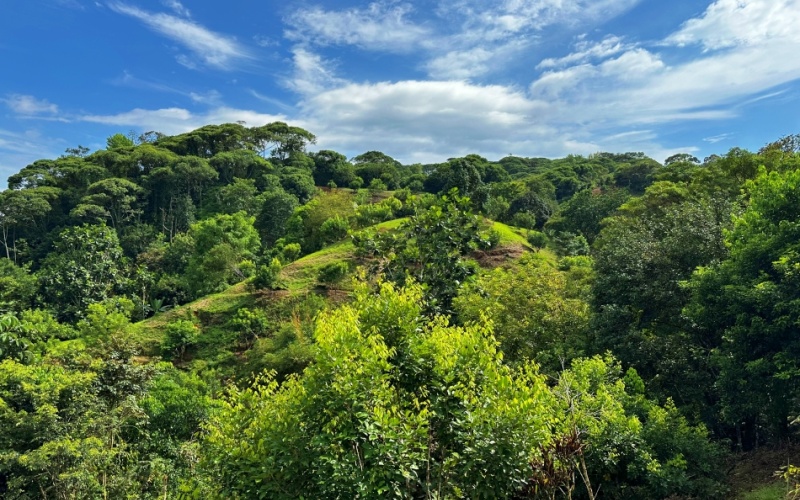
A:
[299,276]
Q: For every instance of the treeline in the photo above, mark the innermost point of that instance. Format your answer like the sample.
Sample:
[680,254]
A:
[653,328]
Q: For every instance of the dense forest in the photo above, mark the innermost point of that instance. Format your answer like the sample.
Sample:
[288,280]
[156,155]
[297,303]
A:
[227,314]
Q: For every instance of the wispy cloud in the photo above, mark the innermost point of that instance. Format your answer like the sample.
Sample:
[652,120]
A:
[212,49]
[379,26]
[179,120]
[312,74]
[490,35]
[20,148]
[586,50]
[177,8]
[271,100]
[718,138]
[29,106]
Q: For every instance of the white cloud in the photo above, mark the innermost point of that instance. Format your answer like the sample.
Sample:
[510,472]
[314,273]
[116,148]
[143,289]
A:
[270,100]
[29,106]
[731,23]
[177,7]
[624,85]
[178,120]
[460,64]
[311,74]
[718,138]
[212,97]
[489,35]
[501,19]
[379,26]
[213,49]
[429,121]
[586,51]
[473,62]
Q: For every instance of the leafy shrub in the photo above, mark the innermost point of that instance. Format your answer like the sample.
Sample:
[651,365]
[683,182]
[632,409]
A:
[250,324]
[537,239]
[333,272]
[524,219]
[290,252]
[268,276]
[178,337]
[334,229]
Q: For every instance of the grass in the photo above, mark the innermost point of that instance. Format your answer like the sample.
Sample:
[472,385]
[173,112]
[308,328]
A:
[773,491]
[205,310]
[510,235]
[213,311]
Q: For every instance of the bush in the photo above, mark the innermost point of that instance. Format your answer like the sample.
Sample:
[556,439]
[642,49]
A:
[268,276]
[250,324]
[334,229]
[537,239]
[178,337]
[290,252]
[333,272]
[524,219]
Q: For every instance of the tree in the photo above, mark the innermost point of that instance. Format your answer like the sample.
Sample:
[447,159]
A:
[239,196]
[538,316]
[86,266]
[747,306]
[430,248]
[642,256]
[240,163]
[20,209]
[398,404]
[221,243]
[583,213]
[276,209]
[118,141]
[281,140]
[115,198]
[17,286]
[330,166]
[393,405]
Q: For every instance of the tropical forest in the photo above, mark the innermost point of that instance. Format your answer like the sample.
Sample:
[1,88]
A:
[233,313]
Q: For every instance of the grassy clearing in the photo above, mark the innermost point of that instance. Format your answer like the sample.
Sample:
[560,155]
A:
[213,311]
[774,491]
[511,235]
[206,310]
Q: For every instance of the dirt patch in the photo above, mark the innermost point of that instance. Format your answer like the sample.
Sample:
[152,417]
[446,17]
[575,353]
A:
[496,257]
[752,470]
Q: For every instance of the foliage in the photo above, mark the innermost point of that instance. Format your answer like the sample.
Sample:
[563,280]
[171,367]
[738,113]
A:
[429,248]
[17,286]
[268,275]
[84,268]
[333,272]
[178,338]
[748,305]
[221,243]
[535,314]
[413,419]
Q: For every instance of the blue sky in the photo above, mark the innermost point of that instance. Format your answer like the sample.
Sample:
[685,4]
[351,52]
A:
[419,80]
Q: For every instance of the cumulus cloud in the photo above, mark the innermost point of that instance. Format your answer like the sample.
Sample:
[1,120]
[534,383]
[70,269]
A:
[732,23]
[212,49]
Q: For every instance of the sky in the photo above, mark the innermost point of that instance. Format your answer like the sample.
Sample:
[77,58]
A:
[421,80]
